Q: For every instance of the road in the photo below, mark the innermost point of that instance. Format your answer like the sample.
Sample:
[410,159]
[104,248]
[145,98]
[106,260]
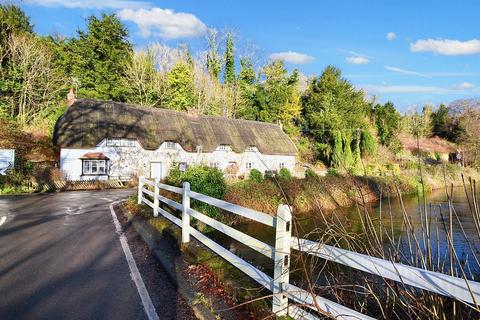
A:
[60,258]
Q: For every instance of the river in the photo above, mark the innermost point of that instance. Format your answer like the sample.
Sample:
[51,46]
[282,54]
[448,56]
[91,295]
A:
[391,214]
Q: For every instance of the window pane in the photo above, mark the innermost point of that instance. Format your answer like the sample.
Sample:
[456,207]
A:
[86,166]
[101,166]
[94,166]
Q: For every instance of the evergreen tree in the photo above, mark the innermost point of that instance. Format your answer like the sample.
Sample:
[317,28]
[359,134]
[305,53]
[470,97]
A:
[214,65]
[180,87]
[12,21]
[277,98]
[246,86]
[334,110]
[98,58]
[387,120]
[229,72]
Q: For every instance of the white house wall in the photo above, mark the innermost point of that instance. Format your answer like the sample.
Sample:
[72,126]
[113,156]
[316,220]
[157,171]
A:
[130,161]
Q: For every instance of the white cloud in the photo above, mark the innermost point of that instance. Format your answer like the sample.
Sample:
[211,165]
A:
[408,72]
[464,86]
[391,36]
[89,4]
[357,60]
[447,47]
[164,23]
[292,57]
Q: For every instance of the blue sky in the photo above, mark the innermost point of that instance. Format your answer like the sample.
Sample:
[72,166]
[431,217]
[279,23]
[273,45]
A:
[409,52]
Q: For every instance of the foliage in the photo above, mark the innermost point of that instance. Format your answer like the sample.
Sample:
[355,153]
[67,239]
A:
[284,173]
[309,173]
[368,146]
[256,175]
[229,73]
[12,21]
[202,179]
[333,112]
[277,98]
[97,58]
[387,120]
[29,82]
[214,65]
[180,87]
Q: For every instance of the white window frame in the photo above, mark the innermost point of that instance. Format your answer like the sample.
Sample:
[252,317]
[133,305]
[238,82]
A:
[88,165]
[251,148]
[281,165]
[170,145]
[250,165]
[183,166]
[119,142]
[224,147]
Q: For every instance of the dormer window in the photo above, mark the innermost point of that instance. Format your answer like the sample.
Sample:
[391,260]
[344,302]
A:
[224,147]
[170,145]
[251,148]
[112,142]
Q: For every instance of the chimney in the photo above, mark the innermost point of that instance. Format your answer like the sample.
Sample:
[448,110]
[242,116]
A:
[70,97]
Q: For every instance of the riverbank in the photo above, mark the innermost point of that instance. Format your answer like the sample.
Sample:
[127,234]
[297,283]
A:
[314,193]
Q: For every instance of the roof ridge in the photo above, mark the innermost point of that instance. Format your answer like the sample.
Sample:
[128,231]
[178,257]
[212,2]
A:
[183,113]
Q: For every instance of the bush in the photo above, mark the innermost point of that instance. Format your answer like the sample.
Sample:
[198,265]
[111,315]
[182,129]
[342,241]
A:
[309,173]
[332,172]
[284,173]
[202,179]
[174,177]
[256,176]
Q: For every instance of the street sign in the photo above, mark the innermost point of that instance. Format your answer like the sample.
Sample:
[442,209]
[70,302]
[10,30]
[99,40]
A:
[7,160]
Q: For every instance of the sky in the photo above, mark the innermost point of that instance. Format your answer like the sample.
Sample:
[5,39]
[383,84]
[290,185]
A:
[409,52]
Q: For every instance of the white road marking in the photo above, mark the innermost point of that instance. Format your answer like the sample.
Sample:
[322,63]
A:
[134,273]
[3,220]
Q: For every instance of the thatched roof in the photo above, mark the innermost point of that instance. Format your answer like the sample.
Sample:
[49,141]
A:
[87,122]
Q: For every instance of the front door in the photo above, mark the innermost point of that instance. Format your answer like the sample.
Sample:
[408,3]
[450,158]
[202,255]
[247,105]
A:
[155,170]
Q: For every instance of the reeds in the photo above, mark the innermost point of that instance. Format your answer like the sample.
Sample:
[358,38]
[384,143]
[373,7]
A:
[429,245]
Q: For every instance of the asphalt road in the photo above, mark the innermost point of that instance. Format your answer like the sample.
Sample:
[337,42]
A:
[60,258]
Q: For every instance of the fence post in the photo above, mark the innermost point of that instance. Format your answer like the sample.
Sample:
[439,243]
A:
[156,191]
[185,214]
[140,192]
[281,273]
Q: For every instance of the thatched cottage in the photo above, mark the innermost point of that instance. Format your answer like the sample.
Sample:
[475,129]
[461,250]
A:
[110,140]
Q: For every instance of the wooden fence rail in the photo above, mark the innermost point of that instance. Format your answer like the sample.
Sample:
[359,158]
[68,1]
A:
[461,289]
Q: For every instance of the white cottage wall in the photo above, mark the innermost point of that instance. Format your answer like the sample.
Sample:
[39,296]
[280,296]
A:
[135,161]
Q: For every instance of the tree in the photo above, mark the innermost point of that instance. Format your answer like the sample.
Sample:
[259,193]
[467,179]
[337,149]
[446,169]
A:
[387,121]
[277,98]
[180,87]
[214,64]
[229,72]
[441,121]
[98,58]
[12,21]
[145,82]
[31,80]
[333,113]
[247,90]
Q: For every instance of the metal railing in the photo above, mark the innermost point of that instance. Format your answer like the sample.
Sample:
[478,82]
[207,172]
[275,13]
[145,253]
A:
[457,288]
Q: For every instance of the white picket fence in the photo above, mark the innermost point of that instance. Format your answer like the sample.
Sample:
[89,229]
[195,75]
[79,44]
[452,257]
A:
[457,288]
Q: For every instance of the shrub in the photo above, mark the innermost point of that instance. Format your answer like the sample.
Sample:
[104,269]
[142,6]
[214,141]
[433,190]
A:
[174,176]
[284,173]
[332,172]
[202,179]
[256,176]
[309,173]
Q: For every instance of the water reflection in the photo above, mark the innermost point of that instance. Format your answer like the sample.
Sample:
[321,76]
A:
[390,215]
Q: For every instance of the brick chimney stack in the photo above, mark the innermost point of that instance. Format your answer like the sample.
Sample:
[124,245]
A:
[70,97]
